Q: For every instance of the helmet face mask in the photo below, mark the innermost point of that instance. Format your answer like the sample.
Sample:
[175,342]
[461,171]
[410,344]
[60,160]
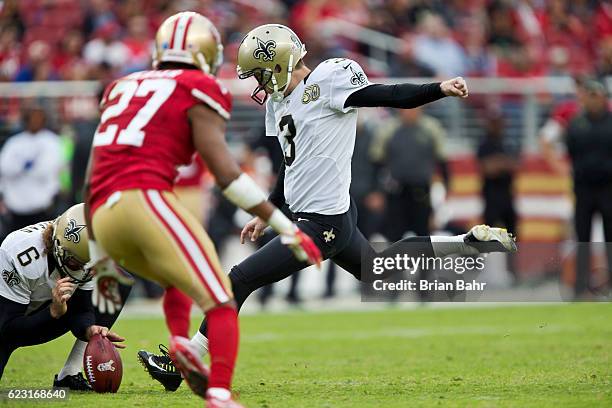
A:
[69,265]
[270,53]
[264,77]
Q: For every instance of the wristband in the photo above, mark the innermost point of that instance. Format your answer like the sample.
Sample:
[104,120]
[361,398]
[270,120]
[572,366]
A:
[280,223]
[244,192]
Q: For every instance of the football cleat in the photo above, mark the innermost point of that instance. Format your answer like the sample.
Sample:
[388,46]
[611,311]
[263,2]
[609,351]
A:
[489,239]
[161,368]
[73,382]
[188,362]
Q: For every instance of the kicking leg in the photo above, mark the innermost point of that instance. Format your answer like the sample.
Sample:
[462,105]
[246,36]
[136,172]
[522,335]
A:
[479,239]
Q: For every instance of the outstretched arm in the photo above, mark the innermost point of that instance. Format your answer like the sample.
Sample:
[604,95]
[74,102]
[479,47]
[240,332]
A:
[406,96]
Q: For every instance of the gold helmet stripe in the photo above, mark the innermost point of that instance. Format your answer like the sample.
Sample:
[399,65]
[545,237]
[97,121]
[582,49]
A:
[179,34]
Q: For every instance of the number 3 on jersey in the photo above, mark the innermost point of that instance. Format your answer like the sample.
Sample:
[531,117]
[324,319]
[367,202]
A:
[287,130]
[133,134]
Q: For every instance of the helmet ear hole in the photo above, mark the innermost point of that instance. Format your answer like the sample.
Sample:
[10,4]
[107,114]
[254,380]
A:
[278,69]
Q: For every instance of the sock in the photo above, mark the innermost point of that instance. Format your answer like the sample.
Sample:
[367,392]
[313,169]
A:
[450,245]
[177,309]
[74,363]
[220,393]
[199,343]
[223,345]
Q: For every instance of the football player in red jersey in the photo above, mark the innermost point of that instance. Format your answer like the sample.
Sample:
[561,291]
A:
[152,122]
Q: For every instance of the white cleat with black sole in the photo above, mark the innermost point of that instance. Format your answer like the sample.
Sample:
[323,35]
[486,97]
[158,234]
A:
[489,239]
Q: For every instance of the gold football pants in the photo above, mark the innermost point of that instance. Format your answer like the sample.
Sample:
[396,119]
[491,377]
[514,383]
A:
[151,234]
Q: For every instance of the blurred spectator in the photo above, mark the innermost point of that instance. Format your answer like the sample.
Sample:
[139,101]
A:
[9,52]
[590,148]
[139,44]
[552,133]
[38,66]
[521,62]
[603,20]
[10,16]
[604,66]
[105,48]
[452,37]
[99,14]
[499,161]
[68,61]
[502,32]
[436,48]
[30,166]
[479,59]
[406,65]
[409,149]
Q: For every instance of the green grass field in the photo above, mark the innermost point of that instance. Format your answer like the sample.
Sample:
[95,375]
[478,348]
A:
[538,356]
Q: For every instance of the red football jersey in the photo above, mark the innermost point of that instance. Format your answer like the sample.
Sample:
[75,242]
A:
[144,132]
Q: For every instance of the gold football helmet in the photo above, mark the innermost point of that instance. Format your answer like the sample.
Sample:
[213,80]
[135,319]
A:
[269,53]
[70,244]
[189,38]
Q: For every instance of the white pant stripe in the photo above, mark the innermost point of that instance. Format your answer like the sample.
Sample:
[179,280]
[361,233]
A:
[192,247]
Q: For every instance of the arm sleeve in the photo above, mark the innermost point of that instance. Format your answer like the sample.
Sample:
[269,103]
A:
[404,96]
[15,324]
[81,312]
[277,196]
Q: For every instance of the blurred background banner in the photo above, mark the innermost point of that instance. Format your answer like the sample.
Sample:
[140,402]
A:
[511,155]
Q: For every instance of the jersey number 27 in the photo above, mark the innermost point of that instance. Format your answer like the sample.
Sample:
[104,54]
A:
[132,135]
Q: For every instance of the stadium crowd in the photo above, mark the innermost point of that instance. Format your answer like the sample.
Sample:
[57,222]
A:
[100,39]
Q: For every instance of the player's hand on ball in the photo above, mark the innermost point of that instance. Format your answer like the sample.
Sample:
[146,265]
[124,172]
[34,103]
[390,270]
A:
[62,292]
[302,246]
[253,230]
[105,332]
[455,87]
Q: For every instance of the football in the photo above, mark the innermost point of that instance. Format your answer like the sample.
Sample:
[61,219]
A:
[102,364]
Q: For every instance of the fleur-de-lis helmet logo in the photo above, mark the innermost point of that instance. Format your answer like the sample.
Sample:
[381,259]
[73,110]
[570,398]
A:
[73,231]
[265,50]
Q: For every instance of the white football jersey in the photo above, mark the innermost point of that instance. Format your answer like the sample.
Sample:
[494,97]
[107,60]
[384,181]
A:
[317,135]
[24,266]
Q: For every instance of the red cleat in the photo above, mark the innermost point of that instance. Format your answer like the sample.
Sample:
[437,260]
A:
[189,364]
[214,402]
